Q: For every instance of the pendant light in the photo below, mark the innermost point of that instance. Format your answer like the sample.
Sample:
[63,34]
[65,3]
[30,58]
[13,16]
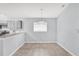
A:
[42,21]
[41,25]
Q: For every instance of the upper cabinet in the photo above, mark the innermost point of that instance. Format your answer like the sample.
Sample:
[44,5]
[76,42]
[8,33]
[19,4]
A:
[14,25]
[10,23]
[3,21]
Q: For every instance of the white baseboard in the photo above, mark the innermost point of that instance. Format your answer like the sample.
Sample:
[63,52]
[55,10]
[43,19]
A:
[66,49]
[40,42]
[16,49]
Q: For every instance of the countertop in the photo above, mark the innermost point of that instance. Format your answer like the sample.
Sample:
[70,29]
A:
[10,34]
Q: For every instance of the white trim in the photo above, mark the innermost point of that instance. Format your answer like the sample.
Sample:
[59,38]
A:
[66,49]
[16,49]
[40,42]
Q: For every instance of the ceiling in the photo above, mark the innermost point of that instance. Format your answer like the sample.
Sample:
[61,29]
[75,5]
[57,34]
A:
[50,10]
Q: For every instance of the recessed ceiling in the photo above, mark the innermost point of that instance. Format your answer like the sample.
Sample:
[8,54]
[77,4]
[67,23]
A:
[50,10]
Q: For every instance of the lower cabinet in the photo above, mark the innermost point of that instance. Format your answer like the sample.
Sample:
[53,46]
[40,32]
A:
[12,44]
[1,47]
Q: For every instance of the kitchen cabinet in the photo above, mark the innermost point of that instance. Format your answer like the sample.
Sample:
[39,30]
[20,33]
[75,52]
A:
[10,44]
[14,25]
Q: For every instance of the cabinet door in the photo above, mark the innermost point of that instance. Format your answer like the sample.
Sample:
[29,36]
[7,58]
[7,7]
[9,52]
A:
[1,48]
[14,25]
[9,45]
[11,25]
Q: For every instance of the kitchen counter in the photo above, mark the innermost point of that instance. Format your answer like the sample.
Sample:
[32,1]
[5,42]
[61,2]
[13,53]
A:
[10,43]
[10,34]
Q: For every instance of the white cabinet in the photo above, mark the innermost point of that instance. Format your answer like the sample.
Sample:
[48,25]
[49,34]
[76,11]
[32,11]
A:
[14,25]
[12,43]
[0,47]
[3,21]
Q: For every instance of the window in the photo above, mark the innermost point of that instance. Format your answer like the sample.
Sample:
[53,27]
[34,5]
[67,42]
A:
[40,26]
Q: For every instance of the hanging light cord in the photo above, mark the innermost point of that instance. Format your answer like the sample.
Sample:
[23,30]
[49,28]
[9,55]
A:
[41,13]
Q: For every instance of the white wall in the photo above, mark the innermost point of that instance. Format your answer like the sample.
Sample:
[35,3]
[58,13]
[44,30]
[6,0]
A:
[68,28]
[49,36]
